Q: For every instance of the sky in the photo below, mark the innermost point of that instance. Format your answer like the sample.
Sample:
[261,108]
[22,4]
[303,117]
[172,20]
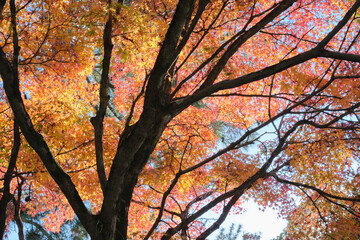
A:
[255,220]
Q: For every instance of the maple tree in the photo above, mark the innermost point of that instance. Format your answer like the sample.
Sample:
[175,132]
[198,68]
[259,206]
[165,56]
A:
[141,116]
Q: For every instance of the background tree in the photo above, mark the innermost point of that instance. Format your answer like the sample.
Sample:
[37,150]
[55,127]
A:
[141,116]
[233,234]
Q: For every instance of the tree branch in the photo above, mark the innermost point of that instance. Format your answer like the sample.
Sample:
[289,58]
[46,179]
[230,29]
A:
[210,88]
[186,35]
[322,193]
[10,77]
[233,48]
[6,195]
[164,198]
[17,211]
[98,120]
[167,54]
[221,219]
[340,56]
[339,26]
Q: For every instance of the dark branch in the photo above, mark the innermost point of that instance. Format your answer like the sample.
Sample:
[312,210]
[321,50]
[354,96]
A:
[10,77]
[321,192]
[341,56]
[211,88]
[6,195]
[167,54]
[233,48]
[98,120]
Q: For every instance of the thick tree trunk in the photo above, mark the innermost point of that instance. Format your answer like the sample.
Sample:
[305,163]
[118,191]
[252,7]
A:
[114,219]
[122,212]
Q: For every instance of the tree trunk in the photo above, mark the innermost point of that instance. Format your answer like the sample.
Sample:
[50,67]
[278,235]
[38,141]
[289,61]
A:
[115,220]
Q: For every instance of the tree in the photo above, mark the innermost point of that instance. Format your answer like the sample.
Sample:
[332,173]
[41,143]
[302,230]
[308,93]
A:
[233,235]
[193,106]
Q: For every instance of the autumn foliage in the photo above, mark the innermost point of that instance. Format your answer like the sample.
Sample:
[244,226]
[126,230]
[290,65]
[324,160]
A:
[139,117]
